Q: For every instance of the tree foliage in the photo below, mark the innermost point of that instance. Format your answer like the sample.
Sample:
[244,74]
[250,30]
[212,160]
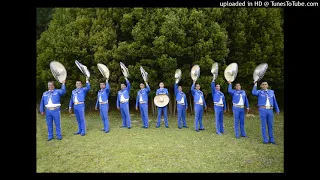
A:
[161,40]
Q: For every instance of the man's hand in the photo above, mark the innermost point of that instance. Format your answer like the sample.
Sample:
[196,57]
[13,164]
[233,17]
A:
[225,111]
[63,82]
[186,107]
[96,108]
[87,79]
[70,111]
[229,82]
[118,108]
[248,110]
[278,113]
[137,108]
[194,81]
[42,113]
[206,108]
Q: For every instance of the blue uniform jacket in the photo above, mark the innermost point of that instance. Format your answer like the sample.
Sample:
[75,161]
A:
[196,95]
[56,93]
[104,94]
[125,92]
[262,97]
[81,94]
[217,94]
[236,96]
[144,93]
[179,95]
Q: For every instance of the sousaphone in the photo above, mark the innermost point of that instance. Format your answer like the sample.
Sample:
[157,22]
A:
[259,72]
[58,71]
[230,73]
[83,69]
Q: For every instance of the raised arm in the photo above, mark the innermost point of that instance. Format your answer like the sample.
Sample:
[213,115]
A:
[148,88]
[175,89]
[128,85]
[255,92]
[192,89]
[230,90]
[213,88]
[88,87]
[63,89]
[107,89]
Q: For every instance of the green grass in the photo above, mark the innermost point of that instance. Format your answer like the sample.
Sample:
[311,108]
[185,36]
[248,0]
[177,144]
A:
[158,149]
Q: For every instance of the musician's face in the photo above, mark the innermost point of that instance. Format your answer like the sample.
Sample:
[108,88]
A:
[161,85]
[141,86]
[50,86]
[102,85]
[197,87]
[123,86]
[180,88]
[238,86]
[218,87]
[78,84]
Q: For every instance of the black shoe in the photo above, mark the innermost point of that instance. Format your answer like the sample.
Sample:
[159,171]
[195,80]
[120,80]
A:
[265,142]
[201,129]
[244,136]
[82,134]
[273,143]
[107,131]
[102,130]
[49,139]
[167,126]
[59,138]
[157,126]
[185,126]
[76,133]
[180,127]
[129,127]
[146,127]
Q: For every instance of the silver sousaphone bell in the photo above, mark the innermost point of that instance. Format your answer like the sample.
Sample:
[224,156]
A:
[177,75]
[259,72]
[124,70]
[144,74]
[214,70]
[83,69]
[58,71]
[195,72]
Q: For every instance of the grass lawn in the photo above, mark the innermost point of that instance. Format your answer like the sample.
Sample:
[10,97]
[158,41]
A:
[158,149]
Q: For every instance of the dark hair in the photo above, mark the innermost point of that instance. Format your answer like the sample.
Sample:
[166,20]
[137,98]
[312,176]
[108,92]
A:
[141,83]
[197,84]
[78,81]
[237,83]
[161,82]
[263,82]
[103,83]
[217,85]
[51,82]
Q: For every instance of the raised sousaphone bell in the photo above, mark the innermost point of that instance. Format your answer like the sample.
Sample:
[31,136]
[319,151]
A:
[124,70]
[104,70]
[144,74]
[214,71]
[83,69]
[195,72]
[177,75]
[259,72]
[230,73]
[58,71]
